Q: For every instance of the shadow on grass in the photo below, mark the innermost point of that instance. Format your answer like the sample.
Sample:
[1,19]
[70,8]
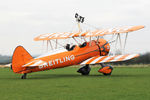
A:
[59,76]
[51,76]
[45,76]
[56,76]
[133,75]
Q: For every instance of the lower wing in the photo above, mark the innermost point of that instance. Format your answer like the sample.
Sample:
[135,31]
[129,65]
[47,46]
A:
[103,59]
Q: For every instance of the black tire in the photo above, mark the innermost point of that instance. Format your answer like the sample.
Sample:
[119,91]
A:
[24,76]
[85,70]
[11,66]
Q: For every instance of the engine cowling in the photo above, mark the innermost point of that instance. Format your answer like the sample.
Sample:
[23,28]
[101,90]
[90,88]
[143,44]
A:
[104,47]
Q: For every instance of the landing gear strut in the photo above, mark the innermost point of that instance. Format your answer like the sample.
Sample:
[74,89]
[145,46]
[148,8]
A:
[24,76]
[85,70]
[106,69]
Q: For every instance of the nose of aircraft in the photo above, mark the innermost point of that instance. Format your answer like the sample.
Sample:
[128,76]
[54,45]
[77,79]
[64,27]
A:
[104,47]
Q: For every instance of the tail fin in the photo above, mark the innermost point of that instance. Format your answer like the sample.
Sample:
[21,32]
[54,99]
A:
[19,58]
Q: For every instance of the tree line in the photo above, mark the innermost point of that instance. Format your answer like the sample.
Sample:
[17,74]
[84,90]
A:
[5,59]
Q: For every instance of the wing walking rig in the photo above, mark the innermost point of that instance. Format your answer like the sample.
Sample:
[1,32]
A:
[86,47]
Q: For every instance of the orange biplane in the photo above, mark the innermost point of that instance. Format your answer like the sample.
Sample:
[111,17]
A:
[80,48]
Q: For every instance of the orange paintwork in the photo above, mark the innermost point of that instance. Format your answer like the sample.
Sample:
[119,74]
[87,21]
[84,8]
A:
[105,70]
[20,57]
[59,60]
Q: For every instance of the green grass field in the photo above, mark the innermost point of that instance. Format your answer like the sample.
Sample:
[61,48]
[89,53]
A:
[66,84]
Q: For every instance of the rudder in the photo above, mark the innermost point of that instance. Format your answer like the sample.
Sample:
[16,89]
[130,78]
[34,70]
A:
[19,58]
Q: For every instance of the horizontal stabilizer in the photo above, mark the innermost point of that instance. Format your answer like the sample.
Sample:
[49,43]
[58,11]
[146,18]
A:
[103,59]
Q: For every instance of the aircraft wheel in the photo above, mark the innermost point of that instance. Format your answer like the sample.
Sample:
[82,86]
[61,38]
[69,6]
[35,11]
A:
[11,66]
[85,70]
[107,70]
[24,76]
[107,74]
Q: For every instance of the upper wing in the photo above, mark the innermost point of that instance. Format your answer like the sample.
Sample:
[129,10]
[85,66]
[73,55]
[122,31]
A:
[64,35]
[103,59]
[116,30]
[102,32]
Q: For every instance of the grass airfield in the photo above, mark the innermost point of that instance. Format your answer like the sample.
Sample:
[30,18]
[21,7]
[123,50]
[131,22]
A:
[125,83]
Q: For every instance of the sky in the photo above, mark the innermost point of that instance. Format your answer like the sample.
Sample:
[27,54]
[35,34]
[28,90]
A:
[22,20]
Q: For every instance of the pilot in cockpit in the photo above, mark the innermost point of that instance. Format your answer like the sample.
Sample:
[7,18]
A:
[83,45]
[69,48]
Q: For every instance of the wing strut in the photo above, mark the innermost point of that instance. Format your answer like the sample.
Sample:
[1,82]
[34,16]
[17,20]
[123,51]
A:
[51,44]
[125,42]
[76,41]
[47,45]
[56,43]
[120,42]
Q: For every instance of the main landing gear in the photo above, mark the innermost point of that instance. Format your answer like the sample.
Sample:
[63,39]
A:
[24,76]
[106,69]
[85,70]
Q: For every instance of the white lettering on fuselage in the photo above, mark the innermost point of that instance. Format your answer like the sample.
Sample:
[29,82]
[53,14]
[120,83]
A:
[57,61]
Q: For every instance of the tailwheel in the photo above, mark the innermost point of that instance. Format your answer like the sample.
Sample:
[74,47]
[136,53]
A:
[24,76]
[85,70]
[106,70]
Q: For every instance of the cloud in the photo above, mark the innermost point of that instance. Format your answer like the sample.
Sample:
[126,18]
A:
[21,21]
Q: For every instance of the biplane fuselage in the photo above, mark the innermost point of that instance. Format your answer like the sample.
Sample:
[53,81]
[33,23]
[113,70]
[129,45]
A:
[66,58]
